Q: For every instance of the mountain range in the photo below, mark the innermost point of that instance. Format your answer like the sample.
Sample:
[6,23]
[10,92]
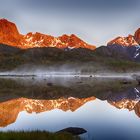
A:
[10,109]
[17,49]
[10,35]
[128,46]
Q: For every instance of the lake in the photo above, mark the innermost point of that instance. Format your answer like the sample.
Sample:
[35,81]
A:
[108,108]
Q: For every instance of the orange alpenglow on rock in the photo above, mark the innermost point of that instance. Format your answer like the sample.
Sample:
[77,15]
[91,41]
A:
[10,35]
[131,105]
[10,109]
[137,36]
[124,104]
[124,41]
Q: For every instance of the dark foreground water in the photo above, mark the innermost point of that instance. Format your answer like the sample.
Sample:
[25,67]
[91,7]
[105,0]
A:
[106,108]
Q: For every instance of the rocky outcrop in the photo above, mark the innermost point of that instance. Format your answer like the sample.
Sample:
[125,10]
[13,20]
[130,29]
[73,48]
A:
[137,109]
[10,35]
[124,41]
[137,36]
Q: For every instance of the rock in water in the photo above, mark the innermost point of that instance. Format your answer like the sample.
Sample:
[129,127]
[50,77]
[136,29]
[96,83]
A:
[50,84]
[125,82]
[73,130]
[137,77]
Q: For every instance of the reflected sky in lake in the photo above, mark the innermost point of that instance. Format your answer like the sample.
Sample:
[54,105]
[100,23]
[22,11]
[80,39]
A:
[99,118]
[108,116]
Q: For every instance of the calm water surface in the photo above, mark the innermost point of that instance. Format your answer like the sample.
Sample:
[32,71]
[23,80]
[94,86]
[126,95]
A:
[109,114]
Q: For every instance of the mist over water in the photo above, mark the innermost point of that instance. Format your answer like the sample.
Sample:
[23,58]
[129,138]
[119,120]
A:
[66,70]
[64,75]
[43,70]
[52,83]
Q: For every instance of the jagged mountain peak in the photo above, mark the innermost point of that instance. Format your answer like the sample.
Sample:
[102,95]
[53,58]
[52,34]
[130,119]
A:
[7,27]
[9,33]
[128,41]
[11,36]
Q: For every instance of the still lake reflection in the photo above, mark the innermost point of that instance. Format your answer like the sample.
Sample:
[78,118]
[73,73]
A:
[104,111]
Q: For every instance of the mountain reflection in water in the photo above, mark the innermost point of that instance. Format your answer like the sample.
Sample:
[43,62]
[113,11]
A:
[107,110]
[9,110]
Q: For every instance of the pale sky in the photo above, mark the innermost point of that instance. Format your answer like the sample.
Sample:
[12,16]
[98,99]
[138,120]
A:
[95,21]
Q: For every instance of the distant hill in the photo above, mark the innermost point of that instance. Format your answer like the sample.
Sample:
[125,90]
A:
[120,52]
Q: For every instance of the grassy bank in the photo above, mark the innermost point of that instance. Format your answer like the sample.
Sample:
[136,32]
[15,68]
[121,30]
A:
[36,135]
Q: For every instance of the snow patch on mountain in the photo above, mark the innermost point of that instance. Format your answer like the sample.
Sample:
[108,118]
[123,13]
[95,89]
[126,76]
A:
[137,53]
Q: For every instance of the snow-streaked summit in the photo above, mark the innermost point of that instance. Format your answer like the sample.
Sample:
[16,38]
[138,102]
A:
[10,35]
[124,41]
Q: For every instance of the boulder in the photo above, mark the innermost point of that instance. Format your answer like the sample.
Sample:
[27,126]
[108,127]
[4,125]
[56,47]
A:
[73,130]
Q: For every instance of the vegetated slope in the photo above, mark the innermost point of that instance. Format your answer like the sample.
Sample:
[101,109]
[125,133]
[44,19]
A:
[12,57]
